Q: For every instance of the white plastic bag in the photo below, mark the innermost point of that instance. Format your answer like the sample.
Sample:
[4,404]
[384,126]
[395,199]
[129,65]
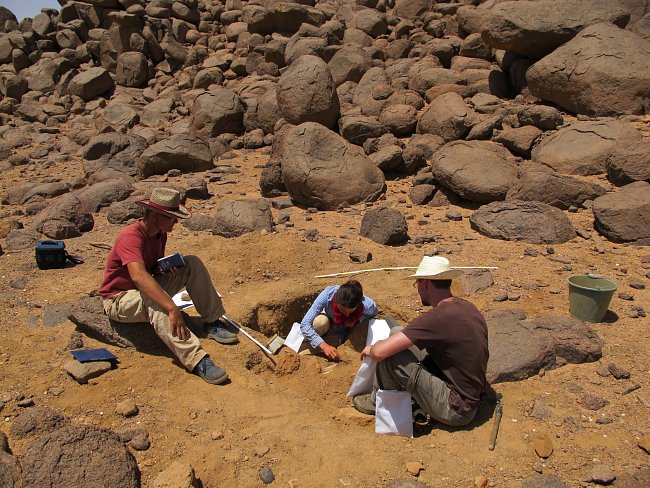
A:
[362,382]
[393,414]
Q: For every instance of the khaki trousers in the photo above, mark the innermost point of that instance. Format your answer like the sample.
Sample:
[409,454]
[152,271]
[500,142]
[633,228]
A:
[404,371]
[133,306]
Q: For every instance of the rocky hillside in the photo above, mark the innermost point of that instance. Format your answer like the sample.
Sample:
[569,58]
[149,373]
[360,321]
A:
[315,137]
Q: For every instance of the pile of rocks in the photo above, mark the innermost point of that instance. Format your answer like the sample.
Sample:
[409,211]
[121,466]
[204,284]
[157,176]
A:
[465,95]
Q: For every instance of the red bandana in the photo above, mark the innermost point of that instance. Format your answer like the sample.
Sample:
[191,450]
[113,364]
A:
[347,320]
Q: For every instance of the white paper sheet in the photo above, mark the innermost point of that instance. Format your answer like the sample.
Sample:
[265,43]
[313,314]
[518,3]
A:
[362,382]
[180,303]
[295,337]
[394,415]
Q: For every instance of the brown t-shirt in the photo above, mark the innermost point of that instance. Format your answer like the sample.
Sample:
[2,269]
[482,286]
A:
[132,245]
[455,337]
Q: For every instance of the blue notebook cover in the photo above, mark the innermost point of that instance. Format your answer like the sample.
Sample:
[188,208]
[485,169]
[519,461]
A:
[88,355]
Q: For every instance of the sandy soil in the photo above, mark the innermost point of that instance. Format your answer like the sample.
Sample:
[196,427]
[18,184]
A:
[314,436]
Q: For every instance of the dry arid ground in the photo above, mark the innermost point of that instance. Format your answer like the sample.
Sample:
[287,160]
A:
[300,422]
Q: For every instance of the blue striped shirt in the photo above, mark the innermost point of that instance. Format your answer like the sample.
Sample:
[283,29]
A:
[323,303]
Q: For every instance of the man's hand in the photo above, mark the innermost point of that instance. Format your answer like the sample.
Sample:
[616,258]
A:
[177,325]
[365,353]
[329,351]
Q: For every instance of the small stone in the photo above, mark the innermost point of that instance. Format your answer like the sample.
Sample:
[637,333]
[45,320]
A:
[603,371]
[82,372]
[602,474]
[345,481]
[266,475]
[543,446]
[260,451]
[604,420]
[140,442]
[538,467]
[513,297]
[26,402]
[454,215]
[618,372]
[637,285]
[554,291]
[414,468]
[501,297]
[593,402]
[194,415]
[630,389]
[480,481]
[626,296]
[540,410]
[644,443]
[127,408]
[75,342]
[216,435]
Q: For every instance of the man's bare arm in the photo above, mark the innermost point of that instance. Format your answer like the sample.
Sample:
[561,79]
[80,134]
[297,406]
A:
[150,287]
[388,347]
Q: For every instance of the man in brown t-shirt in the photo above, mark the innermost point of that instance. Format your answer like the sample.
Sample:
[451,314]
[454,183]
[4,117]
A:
[440,357]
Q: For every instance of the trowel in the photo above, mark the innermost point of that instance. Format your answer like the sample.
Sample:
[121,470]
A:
[276,343]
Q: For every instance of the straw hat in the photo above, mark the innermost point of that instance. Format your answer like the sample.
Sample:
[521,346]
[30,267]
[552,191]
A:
[166,201]
[435,268]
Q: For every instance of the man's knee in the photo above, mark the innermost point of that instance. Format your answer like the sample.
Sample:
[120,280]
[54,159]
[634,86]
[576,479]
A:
[193,261]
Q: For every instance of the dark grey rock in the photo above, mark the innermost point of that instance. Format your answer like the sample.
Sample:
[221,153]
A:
[582,147]
[521,348]
[615,57]
[266,475]
[543,481]
[80,455]
[63,219]
[385,226]
[88,315]
[314,159]
[36,421]
[628,162]
[478,171]
[533,222]
[235,218]
[183,152]
[624,215]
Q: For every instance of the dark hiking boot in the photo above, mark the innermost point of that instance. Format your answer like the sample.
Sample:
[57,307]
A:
[218,331]
[364,404]
[210,372]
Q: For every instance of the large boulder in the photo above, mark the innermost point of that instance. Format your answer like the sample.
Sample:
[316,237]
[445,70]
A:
[91,83]
[533,222]
[80,455]
[238,217]
[554,189]
[624,215]
[63,219]
[371,94]
[132,69]
[306,93]
[314,162]
[521,348]
[218,111]
[602,71]
[536,28]
[447,116]
[349,64]
[180,151]
[478,171]
[412,9]
[582,148]
[112,155]
[281,17]
[359,128]
[629,161]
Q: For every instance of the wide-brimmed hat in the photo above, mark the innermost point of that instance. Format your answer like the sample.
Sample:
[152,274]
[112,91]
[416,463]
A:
[166,201]
[435,268]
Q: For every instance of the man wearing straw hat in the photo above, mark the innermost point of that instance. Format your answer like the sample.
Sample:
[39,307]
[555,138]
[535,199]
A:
[440,357]
[135,289]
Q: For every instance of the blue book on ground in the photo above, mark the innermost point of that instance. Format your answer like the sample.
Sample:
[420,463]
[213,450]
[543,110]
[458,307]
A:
[88,355]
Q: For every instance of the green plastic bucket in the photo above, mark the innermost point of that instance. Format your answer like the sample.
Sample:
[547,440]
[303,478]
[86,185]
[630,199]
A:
[589,296]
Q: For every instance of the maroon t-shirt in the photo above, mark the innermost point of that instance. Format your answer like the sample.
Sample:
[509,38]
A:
[455,337]
[132,245]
